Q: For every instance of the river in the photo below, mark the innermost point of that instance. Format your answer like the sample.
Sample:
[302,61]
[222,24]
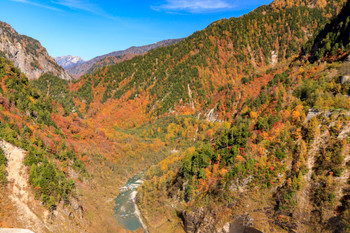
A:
[126,210]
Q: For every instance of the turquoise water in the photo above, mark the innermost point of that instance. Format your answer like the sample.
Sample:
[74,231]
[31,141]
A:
[125,205]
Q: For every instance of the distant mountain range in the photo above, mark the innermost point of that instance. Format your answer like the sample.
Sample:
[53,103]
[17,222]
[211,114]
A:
[27,54]
[81,68]
[67,61]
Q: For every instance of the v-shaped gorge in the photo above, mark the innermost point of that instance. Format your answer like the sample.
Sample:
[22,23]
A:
[235,127]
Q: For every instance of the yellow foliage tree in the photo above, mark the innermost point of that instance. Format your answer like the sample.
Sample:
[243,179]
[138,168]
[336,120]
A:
[253,115]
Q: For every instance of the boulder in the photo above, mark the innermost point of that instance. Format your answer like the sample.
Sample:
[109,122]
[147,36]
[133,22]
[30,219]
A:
[344,78]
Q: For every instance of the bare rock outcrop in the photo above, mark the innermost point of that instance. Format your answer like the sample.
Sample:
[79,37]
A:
[27,54]
[15,230]
[19,188]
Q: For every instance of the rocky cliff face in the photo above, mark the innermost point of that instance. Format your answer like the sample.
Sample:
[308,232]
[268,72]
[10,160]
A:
[68,61]
[27,54]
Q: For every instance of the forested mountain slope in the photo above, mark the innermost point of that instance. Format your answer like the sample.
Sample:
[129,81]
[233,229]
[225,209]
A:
[281,165]
[212,72]
[115,57]
[333,38]
[26,121]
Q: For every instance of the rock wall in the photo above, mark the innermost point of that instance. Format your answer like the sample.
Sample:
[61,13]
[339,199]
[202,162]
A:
[27,54]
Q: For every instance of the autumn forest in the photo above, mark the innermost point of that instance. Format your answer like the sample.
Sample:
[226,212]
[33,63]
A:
[242,125]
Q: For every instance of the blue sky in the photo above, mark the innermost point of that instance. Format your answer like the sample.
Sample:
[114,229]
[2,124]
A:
[89,28]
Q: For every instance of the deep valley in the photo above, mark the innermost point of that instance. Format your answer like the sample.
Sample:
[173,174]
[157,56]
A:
[240,127]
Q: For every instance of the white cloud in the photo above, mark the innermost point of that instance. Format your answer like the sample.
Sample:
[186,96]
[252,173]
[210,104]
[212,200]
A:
[78,4]
[194,6]
[37,4]
[84,5]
